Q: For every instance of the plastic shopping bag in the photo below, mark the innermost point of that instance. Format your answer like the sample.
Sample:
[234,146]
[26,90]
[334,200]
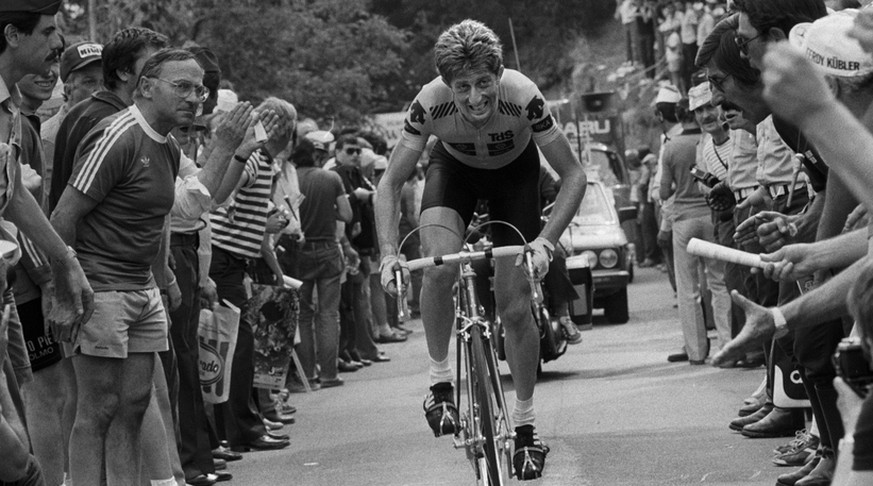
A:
[217,335]
[273,312]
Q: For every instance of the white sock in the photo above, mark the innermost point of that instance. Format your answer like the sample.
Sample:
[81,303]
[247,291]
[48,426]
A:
[163,482]
[523,413]
[813,428]
[441,371]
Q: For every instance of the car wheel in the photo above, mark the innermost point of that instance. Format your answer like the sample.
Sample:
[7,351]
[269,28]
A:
[615,307]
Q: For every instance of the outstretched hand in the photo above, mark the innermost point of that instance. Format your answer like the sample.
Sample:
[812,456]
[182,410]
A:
[759,328]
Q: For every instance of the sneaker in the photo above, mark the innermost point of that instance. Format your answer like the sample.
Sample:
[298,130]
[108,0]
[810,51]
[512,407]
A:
[440,410]
[571,333]
[797,452]
[529,457]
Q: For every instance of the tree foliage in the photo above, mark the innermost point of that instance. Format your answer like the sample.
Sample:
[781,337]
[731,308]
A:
[341,59]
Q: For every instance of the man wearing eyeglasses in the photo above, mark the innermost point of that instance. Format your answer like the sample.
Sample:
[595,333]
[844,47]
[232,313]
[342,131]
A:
[113,213]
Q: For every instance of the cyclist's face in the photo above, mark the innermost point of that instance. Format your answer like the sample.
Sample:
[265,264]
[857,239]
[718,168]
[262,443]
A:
[476,94]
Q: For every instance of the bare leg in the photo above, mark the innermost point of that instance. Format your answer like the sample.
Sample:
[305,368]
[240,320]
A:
[437,308]
[47,405]
[160,456]
[522,342]
[99,383]
[124,438]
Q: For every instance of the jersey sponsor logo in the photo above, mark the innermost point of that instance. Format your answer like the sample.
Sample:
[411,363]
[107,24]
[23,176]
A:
[535,108]
[442,110]
[500,137]
[507,108]
[544,124]
[496,149]
[409,128]
[464,148]
[416,113]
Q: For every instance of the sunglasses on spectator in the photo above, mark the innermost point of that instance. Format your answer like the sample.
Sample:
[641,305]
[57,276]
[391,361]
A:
[353,151]
[183,89]
[717,82]
[743,44]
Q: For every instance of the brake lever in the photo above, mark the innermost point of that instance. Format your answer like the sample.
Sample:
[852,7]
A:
[402,306]
[535,286]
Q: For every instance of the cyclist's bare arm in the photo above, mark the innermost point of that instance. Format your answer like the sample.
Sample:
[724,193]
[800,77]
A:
[387,207]
[573,183]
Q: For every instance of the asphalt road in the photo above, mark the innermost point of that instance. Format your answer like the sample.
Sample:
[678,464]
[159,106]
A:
[612,409]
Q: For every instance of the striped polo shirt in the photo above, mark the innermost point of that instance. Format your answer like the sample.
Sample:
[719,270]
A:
[239,227]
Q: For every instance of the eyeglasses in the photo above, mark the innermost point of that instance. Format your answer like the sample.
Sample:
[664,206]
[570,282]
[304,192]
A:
[743,43]
[717,82]
[353,151]
[193,129]
[183,89]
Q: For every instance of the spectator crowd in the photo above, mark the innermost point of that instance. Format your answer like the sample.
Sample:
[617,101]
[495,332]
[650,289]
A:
[148,193]
[153,192]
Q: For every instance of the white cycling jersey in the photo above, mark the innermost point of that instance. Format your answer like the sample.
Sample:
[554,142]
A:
[521,113]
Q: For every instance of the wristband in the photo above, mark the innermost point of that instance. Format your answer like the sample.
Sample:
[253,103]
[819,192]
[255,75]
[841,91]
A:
[240,159]
[780,322]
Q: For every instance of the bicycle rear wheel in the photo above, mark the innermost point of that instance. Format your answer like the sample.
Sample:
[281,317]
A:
[494,465]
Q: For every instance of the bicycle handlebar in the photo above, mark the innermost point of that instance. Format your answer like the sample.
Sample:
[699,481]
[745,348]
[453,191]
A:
[464,256]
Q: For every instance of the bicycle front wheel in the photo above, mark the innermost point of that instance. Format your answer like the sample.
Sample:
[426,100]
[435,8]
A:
[494,467]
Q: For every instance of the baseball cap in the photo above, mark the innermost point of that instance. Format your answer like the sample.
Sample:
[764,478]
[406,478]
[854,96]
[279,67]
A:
[827,44]
[78,56]
[699,95]
[668,94]
[321,139]
[44,7]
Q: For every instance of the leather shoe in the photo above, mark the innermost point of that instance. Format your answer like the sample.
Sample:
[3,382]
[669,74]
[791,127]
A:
[219,464]
[262,443]
[780,422]
[225,454]
[332,382]
[270,425]
[392,337]
[345,366]
[202,480]
[221,476]
[791,479]
[282,418]
[677,357]
[278,436]
[740,422]
[380,358]
[821,475]
[751,406]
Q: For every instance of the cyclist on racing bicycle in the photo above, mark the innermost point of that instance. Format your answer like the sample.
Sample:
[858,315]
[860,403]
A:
[489,121]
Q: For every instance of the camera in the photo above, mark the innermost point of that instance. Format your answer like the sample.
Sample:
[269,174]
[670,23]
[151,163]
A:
[705,177]
[852,365]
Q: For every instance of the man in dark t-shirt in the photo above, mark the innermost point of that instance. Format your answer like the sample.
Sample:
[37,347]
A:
[318,262]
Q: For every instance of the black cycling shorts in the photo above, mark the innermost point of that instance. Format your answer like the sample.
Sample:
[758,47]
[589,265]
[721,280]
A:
[512,192]
[42,349]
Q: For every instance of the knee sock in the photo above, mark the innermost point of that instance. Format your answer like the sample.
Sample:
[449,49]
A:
[441,371]
[523,413]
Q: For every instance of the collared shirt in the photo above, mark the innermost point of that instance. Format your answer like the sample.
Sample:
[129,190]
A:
[743,166]
[776,161]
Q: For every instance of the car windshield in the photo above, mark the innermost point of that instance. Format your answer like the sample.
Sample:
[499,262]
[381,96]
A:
[595,208]
[601,164]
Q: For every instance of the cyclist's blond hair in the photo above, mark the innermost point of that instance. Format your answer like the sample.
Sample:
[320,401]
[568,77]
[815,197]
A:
[468,45]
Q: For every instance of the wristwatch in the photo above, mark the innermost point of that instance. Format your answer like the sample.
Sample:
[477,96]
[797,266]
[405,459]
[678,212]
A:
[780,322]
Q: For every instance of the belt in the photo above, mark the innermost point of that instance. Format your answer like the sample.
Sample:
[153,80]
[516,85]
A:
[185,239]
[777,190]
[741,194]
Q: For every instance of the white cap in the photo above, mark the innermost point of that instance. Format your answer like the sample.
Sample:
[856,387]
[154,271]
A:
[227,99]
[321,139]
[668,94]
[827,44]
[699,95]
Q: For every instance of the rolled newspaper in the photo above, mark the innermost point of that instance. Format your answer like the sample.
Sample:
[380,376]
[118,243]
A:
[711,250]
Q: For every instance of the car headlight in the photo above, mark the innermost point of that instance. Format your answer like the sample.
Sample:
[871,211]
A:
[591,256]
[608,258]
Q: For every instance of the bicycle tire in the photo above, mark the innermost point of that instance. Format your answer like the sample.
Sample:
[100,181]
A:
[495,469]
